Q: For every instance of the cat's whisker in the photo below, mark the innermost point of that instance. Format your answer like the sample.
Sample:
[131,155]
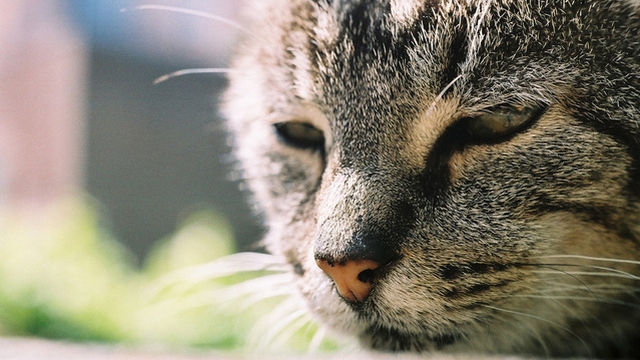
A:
[234,264]
[614,271]
[539,338]
[508,320]
[181,304]
[441,95]
[535,317]
[192,71]
[316,340]
[591,258]
[259,284]
[197,13]
[285,333]
[249,295]
[607,272]
[611,273]
[600,292]
[567,273]
[265,331]
[558,301]
[245,294]
[600,288]
[576,298]
[486,326]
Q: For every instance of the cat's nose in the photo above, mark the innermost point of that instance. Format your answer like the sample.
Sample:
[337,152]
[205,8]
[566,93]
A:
[352,278]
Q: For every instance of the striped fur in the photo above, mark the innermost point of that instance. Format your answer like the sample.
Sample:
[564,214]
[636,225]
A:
[527,244]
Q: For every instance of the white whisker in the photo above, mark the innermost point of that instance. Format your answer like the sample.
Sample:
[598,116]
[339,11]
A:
[621,261]
[577,298]
[567,273]
[612,273]
[600,288]
[192,71]
[564,305]
[178,305]
[233,295]
[297,321]
[441,94]
[266,330]
[253,291]
[542,320]
[316,340]
[615,271]
[247,262]
[285,314]
[202,14]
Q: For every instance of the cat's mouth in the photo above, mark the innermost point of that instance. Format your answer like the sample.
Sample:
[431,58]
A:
[399,332]
[390,339]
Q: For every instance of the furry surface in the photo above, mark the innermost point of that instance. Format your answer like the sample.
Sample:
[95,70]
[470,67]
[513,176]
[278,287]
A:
[524,242]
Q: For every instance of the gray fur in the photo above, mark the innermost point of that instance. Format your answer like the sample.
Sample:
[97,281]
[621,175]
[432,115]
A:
[496,243]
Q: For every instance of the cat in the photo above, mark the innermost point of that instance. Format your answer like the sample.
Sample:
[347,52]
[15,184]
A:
[450,175]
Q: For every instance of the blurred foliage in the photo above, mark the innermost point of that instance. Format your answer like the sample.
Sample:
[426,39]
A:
[64,276]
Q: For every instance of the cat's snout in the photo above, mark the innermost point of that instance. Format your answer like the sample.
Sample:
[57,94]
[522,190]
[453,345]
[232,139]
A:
[353,278]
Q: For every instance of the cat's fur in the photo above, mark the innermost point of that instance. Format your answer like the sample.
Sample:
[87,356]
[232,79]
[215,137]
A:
[527,243]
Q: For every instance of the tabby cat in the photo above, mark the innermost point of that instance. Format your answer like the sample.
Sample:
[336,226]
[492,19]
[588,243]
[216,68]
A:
[450,175]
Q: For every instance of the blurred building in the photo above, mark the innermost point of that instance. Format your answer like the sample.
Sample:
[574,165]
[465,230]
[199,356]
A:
[43,63]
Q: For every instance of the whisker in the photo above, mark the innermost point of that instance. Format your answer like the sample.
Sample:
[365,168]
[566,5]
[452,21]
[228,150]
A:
[616,274]
[316,340]
[253,291]
[615,271]
[202,14]
[585,286]
[441,95]
[298,321]
[577,298]
[543,320]
[192,71]
[582,257]
[600,288]
[245,262]
[267,329]
[623,274]
[173,306]
[501,333]
[485,327]
[261,288]
[564,305]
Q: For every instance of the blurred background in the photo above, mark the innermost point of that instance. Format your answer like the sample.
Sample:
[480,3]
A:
[111,185]
[79,112]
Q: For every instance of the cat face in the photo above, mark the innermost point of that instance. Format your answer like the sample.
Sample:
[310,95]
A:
[450,175]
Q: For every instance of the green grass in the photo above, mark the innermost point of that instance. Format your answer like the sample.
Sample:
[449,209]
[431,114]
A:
[63,276]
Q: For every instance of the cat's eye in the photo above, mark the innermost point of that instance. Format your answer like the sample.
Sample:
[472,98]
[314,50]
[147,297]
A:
[300,134]
[501,122]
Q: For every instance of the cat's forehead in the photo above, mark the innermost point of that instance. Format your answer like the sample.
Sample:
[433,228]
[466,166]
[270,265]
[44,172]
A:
[387,39]
[356,14]
[393,12]
[403,53]
[433,41]
[381,64]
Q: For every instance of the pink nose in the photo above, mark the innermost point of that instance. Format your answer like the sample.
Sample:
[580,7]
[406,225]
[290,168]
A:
[352,279]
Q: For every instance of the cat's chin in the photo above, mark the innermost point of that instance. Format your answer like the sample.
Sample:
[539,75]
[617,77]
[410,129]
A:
[373,329]
[391,340]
